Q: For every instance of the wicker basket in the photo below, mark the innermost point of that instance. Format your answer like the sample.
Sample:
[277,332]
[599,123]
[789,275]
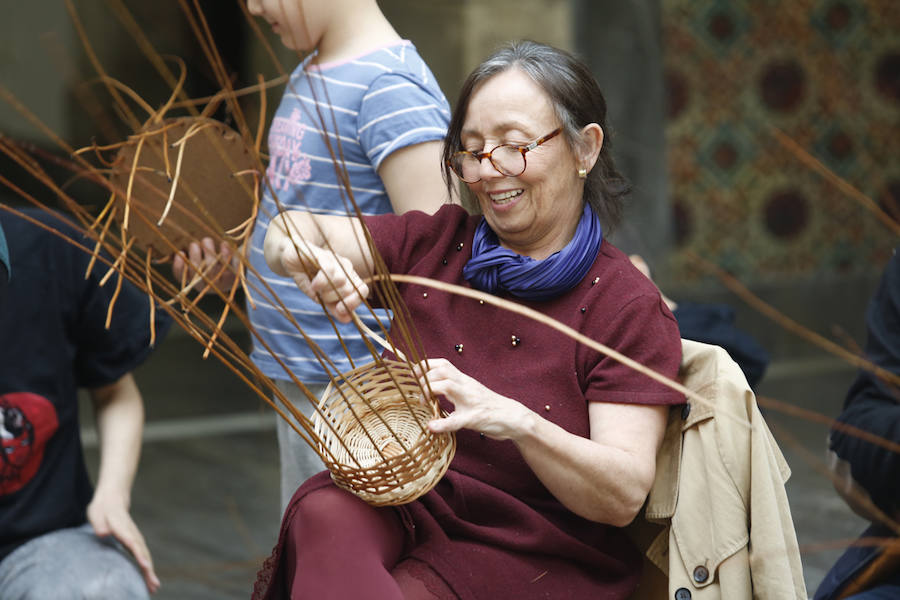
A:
[208,165]
[371,430]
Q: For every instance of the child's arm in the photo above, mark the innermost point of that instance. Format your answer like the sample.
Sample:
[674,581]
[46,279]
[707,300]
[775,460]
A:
[413,178]
[119,411]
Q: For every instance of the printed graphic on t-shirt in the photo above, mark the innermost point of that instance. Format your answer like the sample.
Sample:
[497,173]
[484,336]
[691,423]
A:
[27,421]
[288,166]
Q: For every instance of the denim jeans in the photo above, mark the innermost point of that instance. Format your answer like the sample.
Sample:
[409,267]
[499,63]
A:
[71,564]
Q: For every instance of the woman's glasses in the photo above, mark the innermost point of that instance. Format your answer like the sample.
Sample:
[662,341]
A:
[508,159]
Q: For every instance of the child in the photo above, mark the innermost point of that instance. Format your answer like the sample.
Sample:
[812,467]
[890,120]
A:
[60,537]
[385,116]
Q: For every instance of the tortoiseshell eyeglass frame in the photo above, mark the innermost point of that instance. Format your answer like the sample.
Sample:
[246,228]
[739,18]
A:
[454,161]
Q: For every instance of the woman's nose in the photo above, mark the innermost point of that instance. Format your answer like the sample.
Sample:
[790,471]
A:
[487,170]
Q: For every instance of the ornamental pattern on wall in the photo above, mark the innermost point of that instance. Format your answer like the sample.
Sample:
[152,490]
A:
[746,80]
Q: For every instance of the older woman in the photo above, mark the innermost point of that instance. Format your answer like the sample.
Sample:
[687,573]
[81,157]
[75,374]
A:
[556,442]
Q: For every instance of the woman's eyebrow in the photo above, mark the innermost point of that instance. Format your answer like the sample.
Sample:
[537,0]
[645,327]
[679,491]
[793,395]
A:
[500,129]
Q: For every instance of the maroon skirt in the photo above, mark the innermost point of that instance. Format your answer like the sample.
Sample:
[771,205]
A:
[486,544]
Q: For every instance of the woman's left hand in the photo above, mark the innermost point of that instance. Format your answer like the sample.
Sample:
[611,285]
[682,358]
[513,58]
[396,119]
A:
[604,478]
[475,406]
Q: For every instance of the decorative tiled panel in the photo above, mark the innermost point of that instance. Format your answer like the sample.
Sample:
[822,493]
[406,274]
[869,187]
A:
[825,75]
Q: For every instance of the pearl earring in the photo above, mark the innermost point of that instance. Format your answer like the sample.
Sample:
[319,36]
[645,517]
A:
[582,172]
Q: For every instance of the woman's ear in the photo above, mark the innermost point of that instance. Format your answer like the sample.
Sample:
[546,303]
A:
[589,148]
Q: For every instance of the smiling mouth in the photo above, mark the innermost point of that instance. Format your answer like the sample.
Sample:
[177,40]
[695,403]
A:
[505,197]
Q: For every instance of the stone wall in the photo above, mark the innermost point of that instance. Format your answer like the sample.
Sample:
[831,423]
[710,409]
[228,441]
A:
[453,37]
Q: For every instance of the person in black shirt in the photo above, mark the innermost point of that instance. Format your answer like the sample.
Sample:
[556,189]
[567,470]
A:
[868,474]
[59,535]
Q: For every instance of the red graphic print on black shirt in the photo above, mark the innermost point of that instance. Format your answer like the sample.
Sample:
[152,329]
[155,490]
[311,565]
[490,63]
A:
[27,421]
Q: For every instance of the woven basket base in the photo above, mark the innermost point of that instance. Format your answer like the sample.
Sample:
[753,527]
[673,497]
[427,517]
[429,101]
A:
[371,427]
[209,197]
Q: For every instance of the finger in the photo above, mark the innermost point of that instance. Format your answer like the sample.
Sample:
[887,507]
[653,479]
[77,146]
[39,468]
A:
[340,302]
[195,254]
[210,257]
[127,533]
[326,286]
[438,370]
[193,261]
[178,264]
[443,387]
[302,282]
[344,308]
[341,313]
[427,375]
[334,287]
[226,252]
[218,263]
[448,424]
[357,288]
[145,562]
[292,261]
[142,557]
[291,264]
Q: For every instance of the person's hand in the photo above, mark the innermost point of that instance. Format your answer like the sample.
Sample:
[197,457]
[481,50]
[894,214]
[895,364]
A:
[108,515]
[326,277]
[218,265]
[475,406]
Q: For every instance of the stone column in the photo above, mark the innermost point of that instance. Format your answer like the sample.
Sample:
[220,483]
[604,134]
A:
[622,42]
[36,39]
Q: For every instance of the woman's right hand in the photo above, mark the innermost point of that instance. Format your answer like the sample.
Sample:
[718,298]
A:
[325,277]
[474,405]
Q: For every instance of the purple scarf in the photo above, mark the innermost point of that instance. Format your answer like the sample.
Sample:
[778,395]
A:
[495,269]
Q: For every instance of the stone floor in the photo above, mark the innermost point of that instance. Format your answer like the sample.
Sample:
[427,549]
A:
[824,523]
[206,496]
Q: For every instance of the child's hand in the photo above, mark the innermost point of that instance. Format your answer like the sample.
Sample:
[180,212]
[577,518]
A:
[108,514]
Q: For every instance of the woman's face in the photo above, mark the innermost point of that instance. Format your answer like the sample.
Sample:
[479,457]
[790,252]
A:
[536,212]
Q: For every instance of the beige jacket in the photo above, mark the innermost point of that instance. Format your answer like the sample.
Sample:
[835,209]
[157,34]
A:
[718,468]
